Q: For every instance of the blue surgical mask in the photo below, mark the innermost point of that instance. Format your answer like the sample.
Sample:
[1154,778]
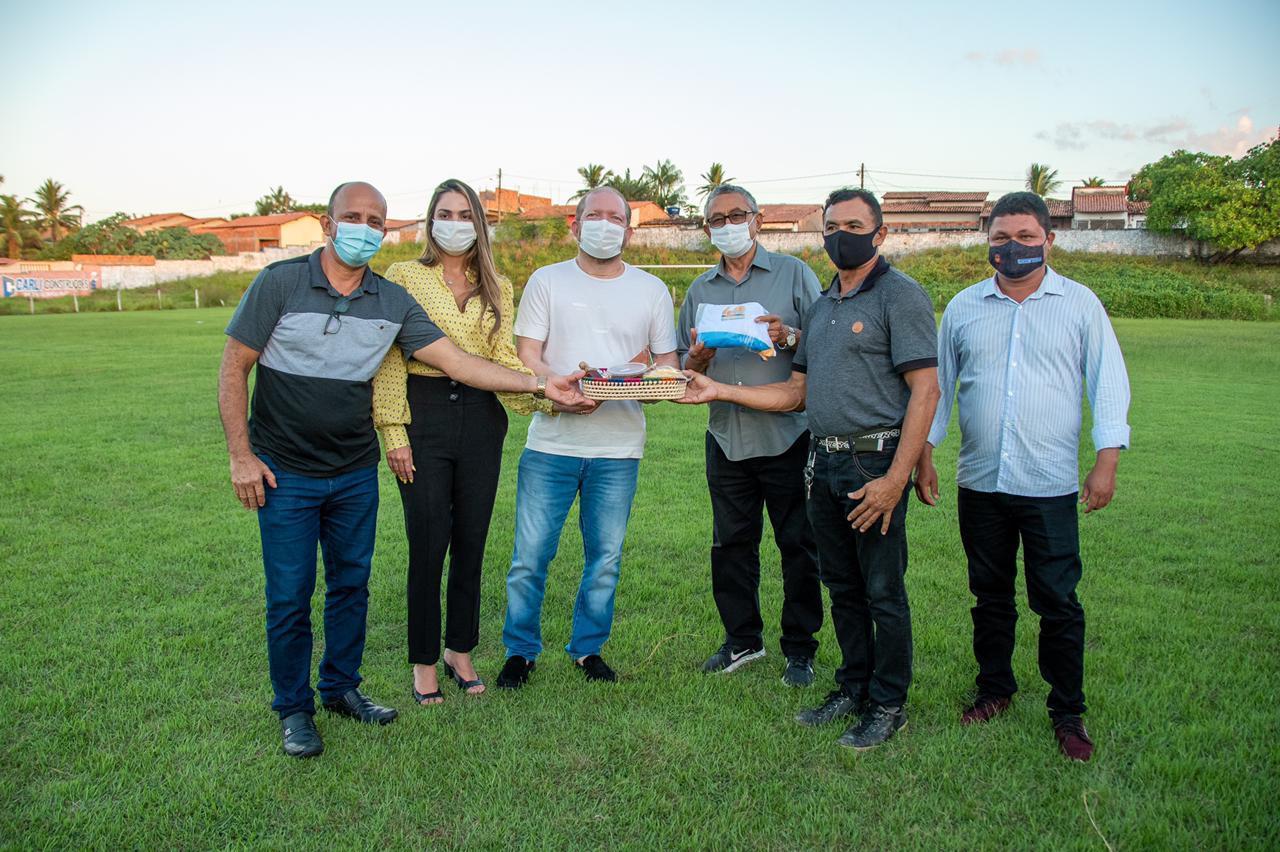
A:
[356,243]
[1015,259]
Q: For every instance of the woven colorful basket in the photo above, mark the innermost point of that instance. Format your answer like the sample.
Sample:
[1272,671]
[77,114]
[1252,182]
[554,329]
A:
[633,388]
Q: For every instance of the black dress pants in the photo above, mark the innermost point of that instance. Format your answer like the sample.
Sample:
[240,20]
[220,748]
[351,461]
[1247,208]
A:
[740,492]
[991,526]
[865,574]
[456,437]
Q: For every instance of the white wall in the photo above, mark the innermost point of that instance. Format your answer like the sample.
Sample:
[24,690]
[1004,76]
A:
[1127,242]
[132,277]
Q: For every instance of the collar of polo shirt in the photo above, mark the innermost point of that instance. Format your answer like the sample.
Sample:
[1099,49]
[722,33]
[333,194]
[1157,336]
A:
[833,289]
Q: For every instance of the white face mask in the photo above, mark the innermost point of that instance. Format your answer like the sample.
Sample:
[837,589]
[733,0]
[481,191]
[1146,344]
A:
[453,235]
[601,239]
[732,240]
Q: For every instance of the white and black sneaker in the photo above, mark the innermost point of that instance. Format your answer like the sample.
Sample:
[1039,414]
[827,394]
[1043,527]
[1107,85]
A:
[730,659]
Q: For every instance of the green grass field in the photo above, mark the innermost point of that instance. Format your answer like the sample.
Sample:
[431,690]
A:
[134,700]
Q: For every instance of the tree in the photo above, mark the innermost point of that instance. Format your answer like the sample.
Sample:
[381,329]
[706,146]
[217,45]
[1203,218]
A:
[667,183]
[632,189]
[594,176]
[54,213]
[713,178]
[1225,205]
[112,236]
[1041,179]
[1094,181]
[17,227]
[275,201]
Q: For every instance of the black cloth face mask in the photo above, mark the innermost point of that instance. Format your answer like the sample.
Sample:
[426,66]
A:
[849,251]
[1015,259]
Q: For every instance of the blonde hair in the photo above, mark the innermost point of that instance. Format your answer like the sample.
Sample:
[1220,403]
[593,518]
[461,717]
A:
[479,256]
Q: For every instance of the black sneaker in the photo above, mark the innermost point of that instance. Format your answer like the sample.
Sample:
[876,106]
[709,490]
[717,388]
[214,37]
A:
[836,705]
[595,668]
[799,671]
[730,659]
[876,726]
[515,672]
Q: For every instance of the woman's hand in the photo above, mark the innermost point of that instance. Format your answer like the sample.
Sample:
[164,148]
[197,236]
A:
[401,463]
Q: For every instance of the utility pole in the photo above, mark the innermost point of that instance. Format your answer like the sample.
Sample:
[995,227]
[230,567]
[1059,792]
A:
[862,175]
[498,197]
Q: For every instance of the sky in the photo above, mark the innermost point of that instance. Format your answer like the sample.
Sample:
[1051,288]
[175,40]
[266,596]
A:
[202,108]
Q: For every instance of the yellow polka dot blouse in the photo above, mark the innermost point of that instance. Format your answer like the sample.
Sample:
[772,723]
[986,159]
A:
[468,329]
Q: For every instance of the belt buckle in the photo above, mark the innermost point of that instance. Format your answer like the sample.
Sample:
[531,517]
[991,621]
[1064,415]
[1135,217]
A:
[833,444]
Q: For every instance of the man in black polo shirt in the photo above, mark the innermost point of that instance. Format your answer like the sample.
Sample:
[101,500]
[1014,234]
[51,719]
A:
[318,327]
[866,374]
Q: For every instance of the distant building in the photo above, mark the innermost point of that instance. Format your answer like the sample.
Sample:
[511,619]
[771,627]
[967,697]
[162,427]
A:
[933,211]
[791,217]
[643,213]
[405,231]
[510,202]
[1100,208]
[254,233]
[160,221]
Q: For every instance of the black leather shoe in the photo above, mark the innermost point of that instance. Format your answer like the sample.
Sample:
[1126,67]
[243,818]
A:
[354,705]
[301,739]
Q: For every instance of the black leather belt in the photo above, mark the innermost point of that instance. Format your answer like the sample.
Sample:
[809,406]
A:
[871,441]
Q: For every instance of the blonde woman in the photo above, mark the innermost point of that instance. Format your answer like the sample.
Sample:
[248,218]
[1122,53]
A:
[444,439]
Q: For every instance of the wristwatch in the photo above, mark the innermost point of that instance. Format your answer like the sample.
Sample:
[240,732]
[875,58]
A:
[789,342]
[541,391]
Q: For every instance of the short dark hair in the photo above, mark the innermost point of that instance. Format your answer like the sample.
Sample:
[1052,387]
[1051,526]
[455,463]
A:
[334,197]
[850,193]
[1017,203]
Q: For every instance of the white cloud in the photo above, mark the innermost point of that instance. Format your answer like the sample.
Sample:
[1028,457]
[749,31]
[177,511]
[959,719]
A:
[1233,139]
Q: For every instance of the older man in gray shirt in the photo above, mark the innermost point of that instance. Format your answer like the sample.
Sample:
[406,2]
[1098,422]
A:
[755,459]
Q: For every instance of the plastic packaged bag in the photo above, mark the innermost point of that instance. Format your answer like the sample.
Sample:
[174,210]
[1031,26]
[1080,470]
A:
[734,327]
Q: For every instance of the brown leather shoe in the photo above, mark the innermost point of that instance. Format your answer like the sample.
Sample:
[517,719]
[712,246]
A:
[1073,739]
[984,709]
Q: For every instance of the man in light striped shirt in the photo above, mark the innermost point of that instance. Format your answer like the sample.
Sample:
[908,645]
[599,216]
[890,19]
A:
[1023,346]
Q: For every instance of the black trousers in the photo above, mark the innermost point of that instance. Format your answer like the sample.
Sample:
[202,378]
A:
[991,525]
[456,437]
[740,491]
[865,575]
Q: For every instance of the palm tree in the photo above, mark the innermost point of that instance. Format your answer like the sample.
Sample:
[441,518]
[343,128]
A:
[275,201]
[594,176]
[633,189]
[1094,181]
[1041,179]
[17,228]
[55,214]
[667,182]
[713,178]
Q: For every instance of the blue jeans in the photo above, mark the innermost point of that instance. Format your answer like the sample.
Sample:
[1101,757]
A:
[545,490]
[340,514]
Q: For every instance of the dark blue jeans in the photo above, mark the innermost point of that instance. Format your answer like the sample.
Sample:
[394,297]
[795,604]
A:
[865,576]
[340,515]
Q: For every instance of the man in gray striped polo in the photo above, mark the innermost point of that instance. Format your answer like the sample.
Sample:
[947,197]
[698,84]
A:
[317,328]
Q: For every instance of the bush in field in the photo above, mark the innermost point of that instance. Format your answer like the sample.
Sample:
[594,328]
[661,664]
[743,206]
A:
[112,236]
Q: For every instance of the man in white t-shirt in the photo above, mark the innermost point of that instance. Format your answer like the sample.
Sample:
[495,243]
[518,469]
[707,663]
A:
[596,309]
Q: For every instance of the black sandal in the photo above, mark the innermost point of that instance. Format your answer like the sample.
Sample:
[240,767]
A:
[464,685]
[427,696]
